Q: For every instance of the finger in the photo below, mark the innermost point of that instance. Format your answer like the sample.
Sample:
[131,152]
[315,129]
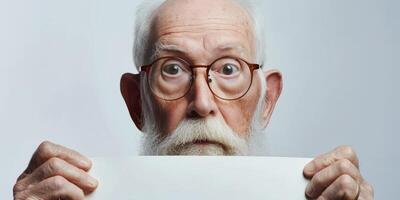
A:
[343,188]
[47,150]
[366,191]
[324,160]
[56,187]
[57,167]
[321,180]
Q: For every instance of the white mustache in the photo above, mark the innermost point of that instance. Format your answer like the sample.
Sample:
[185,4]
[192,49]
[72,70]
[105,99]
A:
[211,130]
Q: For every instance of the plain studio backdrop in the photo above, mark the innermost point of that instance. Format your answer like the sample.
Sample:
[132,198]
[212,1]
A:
[61,62]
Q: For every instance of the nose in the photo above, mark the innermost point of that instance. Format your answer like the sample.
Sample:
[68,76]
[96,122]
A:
[202,102]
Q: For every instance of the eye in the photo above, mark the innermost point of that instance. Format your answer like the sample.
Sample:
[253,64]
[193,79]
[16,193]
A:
[171,69]
[229,69]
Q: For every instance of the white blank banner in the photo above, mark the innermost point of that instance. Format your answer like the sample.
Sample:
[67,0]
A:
[199,177]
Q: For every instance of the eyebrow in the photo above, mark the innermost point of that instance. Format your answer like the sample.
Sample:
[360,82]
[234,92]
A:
[159,47]
[231,47]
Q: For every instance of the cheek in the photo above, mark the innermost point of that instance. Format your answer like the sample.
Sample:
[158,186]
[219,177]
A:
[169,114]
[238,114]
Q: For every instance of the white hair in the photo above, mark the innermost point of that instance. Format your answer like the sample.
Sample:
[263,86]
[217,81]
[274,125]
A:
[143,51]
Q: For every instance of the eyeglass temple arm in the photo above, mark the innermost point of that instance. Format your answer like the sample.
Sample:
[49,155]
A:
[144,68]
[253,66]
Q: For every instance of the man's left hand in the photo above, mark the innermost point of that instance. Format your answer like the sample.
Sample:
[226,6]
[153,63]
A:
[336,175]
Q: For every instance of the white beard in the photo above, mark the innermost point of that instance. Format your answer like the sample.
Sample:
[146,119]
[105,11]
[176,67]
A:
[209,136]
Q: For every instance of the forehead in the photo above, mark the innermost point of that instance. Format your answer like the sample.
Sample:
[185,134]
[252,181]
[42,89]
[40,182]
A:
[214,23]
[184,11]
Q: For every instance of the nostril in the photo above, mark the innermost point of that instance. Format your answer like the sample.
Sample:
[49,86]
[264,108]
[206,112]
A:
[194,115]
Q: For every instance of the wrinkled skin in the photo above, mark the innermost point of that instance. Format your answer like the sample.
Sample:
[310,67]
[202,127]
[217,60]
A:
[336,175]
[56,172]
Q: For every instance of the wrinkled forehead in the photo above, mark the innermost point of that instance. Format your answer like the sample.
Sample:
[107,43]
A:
[184,11]
[175,14]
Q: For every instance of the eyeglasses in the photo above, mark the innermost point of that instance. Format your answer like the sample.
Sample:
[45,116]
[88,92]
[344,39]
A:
[170,78]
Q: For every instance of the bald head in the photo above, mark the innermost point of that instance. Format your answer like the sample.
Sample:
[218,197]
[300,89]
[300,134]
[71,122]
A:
[187,12]
[160,17]
[197,27]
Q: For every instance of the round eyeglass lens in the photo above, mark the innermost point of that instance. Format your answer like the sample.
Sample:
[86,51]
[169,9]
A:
[169,78]
[229,78]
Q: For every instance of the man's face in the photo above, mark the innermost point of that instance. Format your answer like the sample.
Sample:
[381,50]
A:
[201,31]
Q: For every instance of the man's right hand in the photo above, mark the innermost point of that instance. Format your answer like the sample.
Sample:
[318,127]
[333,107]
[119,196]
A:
[55,172]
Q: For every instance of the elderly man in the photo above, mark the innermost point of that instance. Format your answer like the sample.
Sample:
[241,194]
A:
[201,90]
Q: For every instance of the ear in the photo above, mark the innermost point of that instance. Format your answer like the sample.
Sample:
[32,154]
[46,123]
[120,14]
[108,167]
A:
[130,89]
[274,88]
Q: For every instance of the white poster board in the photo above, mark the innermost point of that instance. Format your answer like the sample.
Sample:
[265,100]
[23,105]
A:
[199,178]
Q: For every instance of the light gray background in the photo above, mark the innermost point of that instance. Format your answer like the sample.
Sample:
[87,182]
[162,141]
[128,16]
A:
[60,64]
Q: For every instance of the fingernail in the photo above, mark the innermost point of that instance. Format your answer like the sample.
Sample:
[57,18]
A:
[309,190]
[93,182]
[85,163]
[310,168]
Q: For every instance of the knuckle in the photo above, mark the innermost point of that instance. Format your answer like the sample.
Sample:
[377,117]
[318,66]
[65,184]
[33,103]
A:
[316,161]
[309,168]
[45,145]
[347,151]
[55,165]
[317,180]
[58,181]
[346,183]
[22,176]
[45,148]
[327,160]
[18,187]
[344,165]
